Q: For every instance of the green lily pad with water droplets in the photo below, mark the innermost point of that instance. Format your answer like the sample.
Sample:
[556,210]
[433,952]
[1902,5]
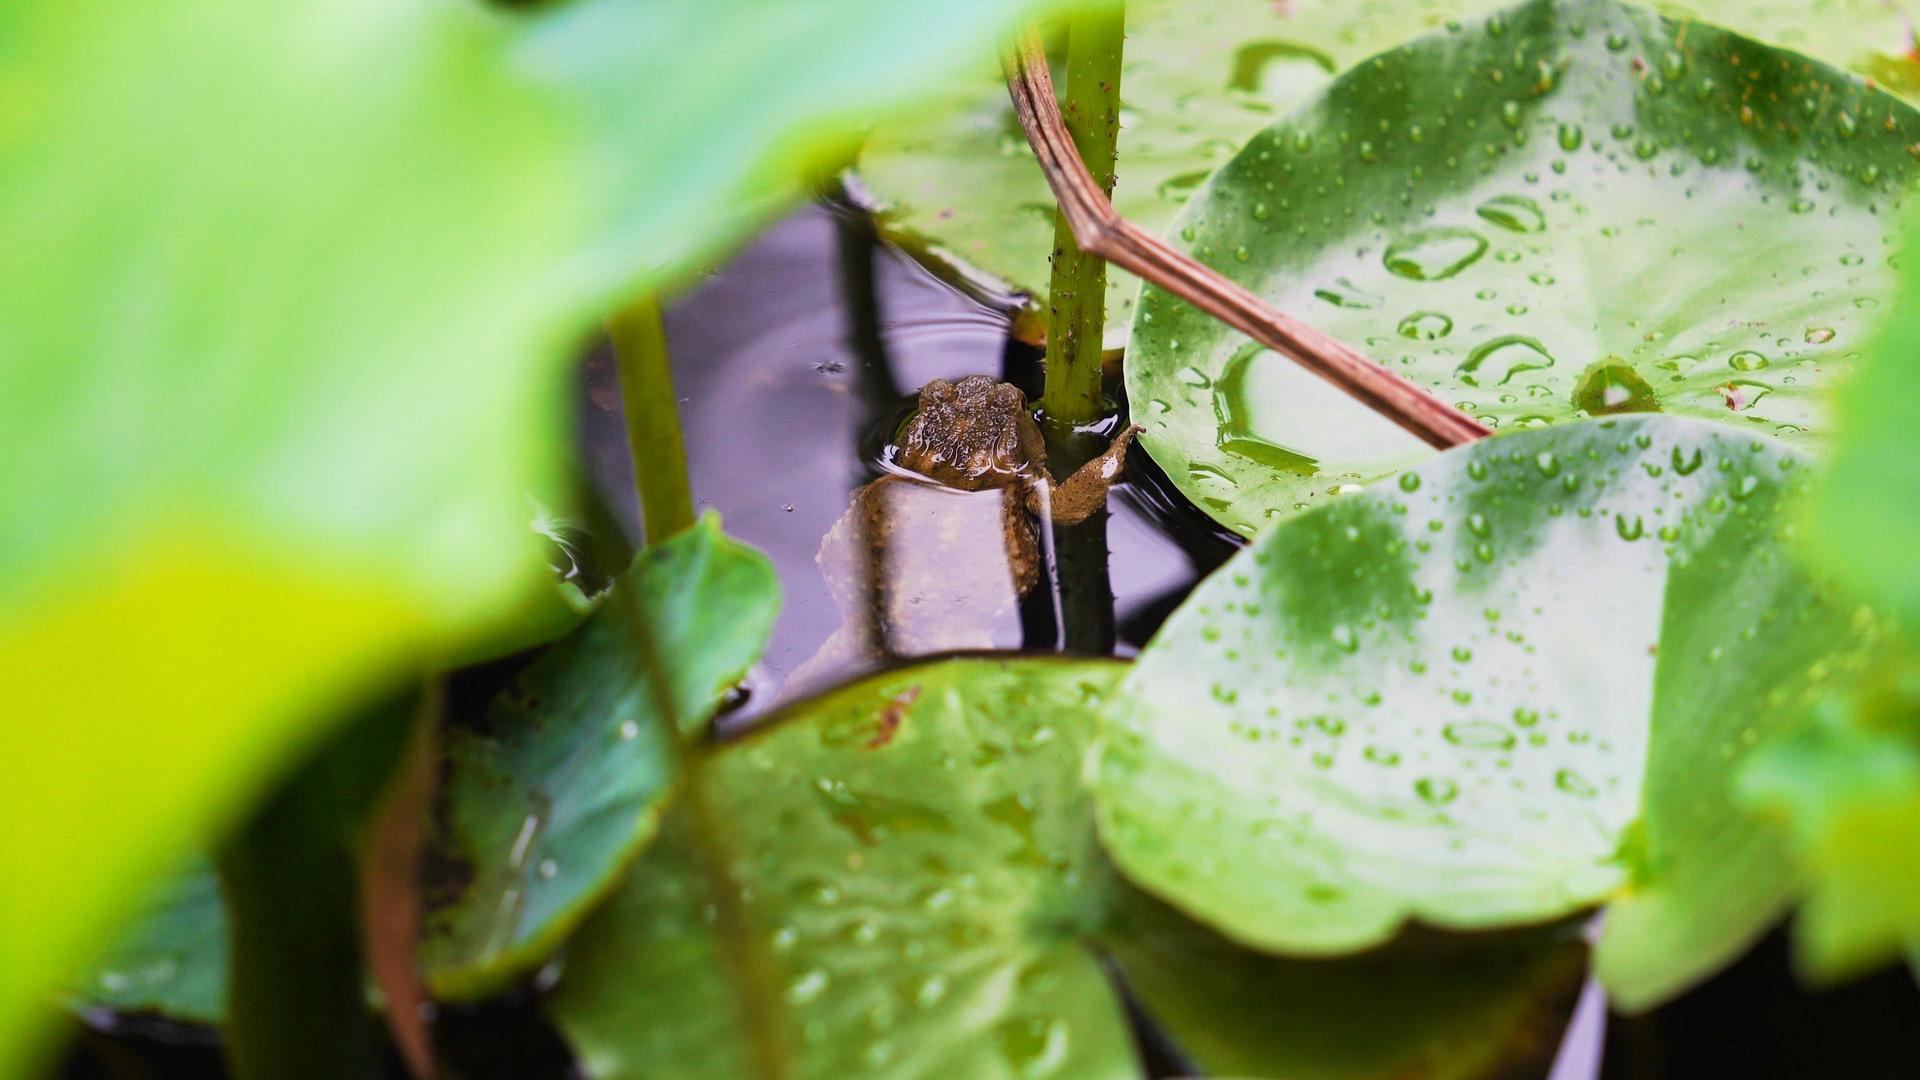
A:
[566,776]
[1508,687]
[171,959]
[1871,38]
[1568,208]
[960,187]
[917,864]
[923,894]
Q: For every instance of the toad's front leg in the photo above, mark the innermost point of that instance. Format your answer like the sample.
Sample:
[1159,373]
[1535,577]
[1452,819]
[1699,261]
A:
[1078,497]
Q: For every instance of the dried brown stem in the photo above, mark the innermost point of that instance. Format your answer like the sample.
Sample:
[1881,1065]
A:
[1103,232]
[389,893]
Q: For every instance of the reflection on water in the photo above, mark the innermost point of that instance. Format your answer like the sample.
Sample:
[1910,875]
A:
[776,401]
[916,569]
[787,380]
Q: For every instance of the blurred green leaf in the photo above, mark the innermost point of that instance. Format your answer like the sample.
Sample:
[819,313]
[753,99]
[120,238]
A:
[1610,212]
[172,959]
[1849,789]
[960,187]
[1445,1012]
[288,304]
[565,778]
[1862,522]
[1502,690]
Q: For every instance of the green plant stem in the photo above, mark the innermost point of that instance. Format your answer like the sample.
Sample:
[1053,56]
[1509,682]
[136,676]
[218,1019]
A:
[750,970]
[291,876]
[1076,318]
[653,419]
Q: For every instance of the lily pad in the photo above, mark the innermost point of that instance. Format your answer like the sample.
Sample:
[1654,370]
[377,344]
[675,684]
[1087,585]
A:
[1605,212]
[1437,1014]
[172,959]
[565,778]
[920,893]
[959,188]
[1508,687]
[916,867]
[1871,38]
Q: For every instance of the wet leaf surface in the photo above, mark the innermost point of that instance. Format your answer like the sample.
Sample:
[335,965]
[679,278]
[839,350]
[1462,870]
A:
[1606,213]
[1201,77]
[565,779]
[1505,688]
[913,856]
[1849,788]
[1871,38]
[960,186]
[921,888]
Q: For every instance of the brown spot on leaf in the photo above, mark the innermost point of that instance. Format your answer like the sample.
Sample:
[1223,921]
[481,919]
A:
[887,724]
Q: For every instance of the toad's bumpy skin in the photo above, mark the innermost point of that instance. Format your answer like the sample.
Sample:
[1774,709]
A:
[973,435]
[976,434]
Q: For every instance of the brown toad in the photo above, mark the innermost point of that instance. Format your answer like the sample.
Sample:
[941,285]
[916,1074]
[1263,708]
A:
[977,434]
[918,569]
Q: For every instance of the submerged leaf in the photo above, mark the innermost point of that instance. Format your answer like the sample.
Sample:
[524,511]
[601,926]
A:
[567,775]
[1500,691]
[1608,212]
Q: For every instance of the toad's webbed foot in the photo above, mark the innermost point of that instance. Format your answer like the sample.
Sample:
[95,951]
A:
[1080,496]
